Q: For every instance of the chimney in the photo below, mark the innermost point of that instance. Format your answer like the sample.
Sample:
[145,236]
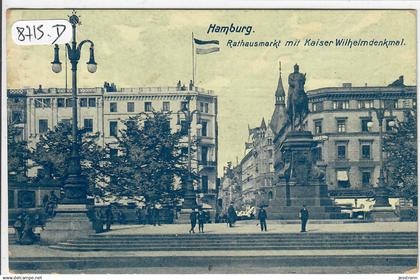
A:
[401,80]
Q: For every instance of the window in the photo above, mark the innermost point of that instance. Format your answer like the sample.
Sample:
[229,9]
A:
[341,126]
[113,128]
[166,106]
[203,128]
[43,126]
[365,104]
[341,152]
[206,107]
[130,107]
[61,103]
[69,102]
[92,102]
[270,195]
[317,106]
[365,151]
[113,107]
[88,125]
[26,199]
[318,127]
[83,102]
[38,103]
[340,105]
[184,127]
[364,124]
[17,116]
[201,106]
[204,152]
[43,102]
[390,104]
[342,179]
[269,141]
[184,105]
[270,153]
[366,178]
[205,184]
[147,106]
[318,153]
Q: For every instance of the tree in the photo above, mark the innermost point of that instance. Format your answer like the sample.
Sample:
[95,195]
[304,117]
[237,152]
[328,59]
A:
[400,165]
[17,152]
[54,149]
[146,159]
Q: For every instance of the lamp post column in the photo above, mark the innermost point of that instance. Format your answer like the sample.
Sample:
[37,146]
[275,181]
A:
[381,193]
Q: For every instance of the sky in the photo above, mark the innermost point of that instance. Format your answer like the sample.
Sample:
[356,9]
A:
[140,48]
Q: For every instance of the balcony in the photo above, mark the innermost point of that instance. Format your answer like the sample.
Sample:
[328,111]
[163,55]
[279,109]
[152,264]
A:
[207,164]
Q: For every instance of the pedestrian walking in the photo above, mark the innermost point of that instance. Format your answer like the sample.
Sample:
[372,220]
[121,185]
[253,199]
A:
[231,215]
[156,213]
[19,225]
[262,216]
[193,220]
[201,220]
[98,221]
[304,216]
[109,217]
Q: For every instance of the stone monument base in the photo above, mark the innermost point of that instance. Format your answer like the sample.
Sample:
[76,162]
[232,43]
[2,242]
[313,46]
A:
[183,217]
[301,182]
[70,222]
[384,214]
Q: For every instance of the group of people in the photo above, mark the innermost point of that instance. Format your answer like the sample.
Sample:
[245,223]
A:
[103,218]
[199,216]
[149,214]
[24,227]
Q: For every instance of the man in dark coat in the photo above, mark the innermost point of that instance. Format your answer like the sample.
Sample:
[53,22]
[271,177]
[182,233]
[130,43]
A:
[109,217]
[304,216]
[262,216]
[231,215]
[193,220]
[201,220]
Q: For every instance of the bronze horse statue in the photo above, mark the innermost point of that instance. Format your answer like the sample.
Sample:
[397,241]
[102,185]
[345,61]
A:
[297,100]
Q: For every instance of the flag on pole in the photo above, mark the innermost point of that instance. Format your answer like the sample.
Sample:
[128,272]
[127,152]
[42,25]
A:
[206,47]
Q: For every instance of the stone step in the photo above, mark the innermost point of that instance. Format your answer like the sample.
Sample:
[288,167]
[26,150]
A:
[57,264]
[260,238]
[71,247]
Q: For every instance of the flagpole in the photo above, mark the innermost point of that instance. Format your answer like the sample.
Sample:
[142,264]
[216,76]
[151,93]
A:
[192,48]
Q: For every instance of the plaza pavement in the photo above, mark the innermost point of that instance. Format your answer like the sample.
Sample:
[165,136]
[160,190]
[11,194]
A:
[241,227]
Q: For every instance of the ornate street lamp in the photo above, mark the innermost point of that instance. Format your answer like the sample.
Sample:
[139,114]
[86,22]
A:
[75,186]
[381,192]
[190,199]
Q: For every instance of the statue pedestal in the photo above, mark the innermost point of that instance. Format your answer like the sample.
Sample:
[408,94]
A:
[70,222]
[302,183]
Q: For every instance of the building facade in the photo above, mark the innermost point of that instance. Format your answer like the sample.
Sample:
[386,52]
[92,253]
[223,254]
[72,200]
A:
[343,121]
[103,109]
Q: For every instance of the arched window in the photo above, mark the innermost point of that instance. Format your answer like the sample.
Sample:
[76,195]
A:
[270,195]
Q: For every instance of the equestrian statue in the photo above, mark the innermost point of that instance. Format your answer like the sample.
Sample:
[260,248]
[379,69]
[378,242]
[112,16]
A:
[297,100]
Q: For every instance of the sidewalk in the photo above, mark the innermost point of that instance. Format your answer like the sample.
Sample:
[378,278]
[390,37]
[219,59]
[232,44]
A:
[250,227]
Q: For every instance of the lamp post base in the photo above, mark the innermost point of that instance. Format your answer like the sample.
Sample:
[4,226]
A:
[384,214]
[70,222]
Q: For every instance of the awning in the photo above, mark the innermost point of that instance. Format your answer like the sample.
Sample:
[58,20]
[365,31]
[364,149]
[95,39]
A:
[342,175]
